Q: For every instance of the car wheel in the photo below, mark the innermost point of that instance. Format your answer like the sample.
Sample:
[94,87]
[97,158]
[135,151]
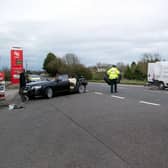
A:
[161,86]
[81,89]
[24,98]
[49,93]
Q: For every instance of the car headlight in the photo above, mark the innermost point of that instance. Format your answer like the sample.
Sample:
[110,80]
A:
[36,87]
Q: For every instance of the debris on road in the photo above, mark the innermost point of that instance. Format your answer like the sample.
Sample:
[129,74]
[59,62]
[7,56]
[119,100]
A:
[14,106]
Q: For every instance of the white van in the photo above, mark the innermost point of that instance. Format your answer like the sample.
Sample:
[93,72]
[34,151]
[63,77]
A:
[158,74]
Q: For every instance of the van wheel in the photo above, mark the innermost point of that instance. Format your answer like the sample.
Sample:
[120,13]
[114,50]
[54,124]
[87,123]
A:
[49,93]
[161,86]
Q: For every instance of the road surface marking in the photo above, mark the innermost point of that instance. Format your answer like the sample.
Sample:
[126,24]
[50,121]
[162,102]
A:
[149,103]
[153,91]
[98,93]
[118,97]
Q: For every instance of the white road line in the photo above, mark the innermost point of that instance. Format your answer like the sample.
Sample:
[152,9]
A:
[149,103]
[98,93]
[153,91]
[118,97]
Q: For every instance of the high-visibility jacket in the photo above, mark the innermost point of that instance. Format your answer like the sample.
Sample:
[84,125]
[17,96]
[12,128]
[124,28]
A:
[113,73]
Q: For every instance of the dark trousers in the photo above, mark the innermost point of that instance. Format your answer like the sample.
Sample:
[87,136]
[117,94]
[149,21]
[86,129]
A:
[113,85]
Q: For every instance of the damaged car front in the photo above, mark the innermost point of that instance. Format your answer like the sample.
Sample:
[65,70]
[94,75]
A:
[34,89]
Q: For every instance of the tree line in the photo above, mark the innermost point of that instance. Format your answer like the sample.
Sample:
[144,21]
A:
[138,71]
[134,71]
[70,64]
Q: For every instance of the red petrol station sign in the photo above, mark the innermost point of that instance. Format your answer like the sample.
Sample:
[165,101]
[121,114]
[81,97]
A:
[2,76]
[2,85]
[16,64]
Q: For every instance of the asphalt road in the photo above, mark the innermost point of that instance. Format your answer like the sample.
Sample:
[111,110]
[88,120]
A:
[128,129]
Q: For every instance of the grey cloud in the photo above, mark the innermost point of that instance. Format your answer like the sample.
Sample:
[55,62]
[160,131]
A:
[99,43]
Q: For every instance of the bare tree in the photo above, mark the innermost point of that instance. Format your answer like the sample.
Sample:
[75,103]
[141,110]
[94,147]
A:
[149,57]
[71,59]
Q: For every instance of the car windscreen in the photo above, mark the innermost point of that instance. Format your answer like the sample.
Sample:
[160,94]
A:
[63,77]
[34,76]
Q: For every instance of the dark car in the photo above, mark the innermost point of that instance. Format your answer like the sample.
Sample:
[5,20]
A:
[50,88]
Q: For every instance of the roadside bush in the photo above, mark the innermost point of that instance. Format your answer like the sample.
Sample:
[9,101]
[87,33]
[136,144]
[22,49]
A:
[98,76]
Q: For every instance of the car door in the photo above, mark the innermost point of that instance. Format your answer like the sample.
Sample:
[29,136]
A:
[62,83]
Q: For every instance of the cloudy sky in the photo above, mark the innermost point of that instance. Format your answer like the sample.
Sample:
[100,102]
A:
[106,31]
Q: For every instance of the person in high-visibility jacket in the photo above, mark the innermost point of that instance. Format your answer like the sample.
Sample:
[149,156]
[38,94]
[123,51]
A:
[113,75]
